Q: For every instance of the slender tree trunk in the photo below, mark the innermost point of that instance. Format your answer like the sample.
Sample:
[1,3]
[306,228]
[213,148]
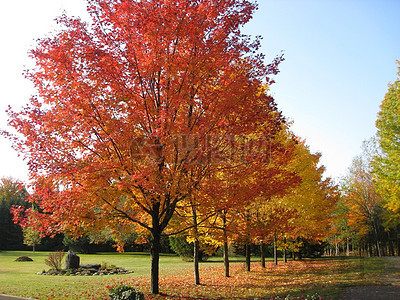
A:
[284,251]
[262,249]
[378,249]
[397,243]
[196,247]
[226,249]
[226,259]
[196,262]
[347,247]
[248,262]
[155,261]
[275,252]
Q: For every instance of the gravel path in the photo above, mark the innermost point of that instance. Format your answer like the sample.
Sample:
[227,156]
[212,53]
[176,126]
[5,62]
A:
[389,290]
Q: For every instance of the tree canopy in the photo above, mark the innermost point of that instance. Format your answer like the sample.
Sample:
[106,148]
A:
[387,165]
[134,110]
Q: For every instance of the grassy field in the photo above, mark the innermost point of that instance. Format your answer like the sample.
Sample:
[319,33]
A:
[325,277]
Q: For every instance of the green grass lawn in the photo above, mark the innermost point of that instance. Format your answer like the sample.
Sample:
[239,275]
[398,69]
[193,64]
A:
[20,278]
[323,276]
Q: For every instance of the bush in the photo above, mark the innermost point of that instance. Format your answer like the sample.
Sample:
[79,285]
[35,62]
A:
[24,258]
[55,260]
[181,247]
[78,245]
[124,292]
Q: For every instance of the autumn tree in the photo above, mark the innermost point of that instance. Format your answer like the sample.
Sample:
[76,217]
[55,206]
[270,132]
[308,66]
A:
[305,210]
[361,198]
[387,163]
[31,237]
[260,218]
[119,131]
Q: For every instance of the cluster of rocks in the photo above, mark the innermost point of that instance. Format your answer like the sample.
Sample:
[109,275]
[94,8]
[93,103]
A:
[74,268]
[86,270]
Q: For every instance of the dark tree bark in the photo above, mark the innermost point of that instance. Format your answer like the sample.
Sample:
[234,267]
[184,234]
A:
[196,248]
[284,251]
[155,259]
[247,246]
[262,249]
[275,253]
[225,249]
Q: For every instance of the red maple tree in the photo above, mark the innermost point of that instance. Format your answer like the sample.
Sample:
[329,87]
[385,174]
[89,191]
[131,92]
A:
[132,111]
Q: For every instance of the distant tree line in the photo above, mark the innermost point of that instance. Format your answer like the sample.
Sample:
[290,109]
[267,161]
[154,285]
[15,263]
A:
[367,219]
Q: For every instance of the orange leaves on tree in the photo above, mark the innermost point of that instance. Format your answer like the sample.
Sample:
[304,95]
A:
[156,72]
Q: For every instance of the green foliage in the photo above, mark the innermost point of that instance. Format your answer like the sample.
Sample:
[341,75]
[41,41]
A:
[78,245]
[55,260]
[181,247]
[387,165]
[12,193]
[31,237]
[124,292]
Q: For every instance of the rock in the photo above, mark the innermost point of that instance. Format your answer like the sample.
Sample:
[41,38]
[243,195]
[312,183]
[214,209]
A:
[72,260]
[90,266]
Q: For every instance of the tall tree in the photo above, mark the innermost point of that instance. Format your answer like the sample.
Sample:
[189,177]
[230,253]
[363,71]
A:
[119,132]
[305,211]
[387,164]
[12,192]
[361,197]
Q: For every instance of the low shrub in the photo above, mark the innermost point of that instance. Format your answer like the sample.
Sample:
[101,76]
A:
[55,260]
[124,292]
[24,258]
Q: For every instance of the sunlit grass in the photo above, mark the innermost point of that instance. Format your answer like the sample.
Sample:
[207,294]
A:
[327,277]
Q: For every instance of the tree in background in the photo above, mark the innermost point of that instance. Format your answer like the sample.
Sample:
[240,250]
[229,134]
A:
[359,217]
[119,133]
[12,192]
[31,237]
[387,163]
[308,206]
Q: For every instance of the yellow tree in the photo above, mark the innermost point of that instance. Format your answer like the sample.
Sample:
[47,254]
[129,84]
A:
[311,202]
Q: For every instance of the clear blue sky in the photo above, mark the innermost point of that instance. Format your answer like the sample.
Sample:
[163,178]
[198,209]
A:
[340,56]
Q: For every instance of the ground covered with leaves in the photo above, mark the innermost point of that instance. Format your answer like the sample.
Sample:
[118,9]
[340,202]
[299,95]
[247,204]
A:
[310,279]
[298,279]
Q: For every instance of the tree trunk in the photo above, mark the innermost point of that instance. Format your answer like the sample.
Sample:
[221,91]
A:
[226,259]
[262,255]
[155,260]
[247,246]
[397,243]
[275,252]
[390,243]
[378,250]
[226,249]
[196,248]
[284,251]
[196,262]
